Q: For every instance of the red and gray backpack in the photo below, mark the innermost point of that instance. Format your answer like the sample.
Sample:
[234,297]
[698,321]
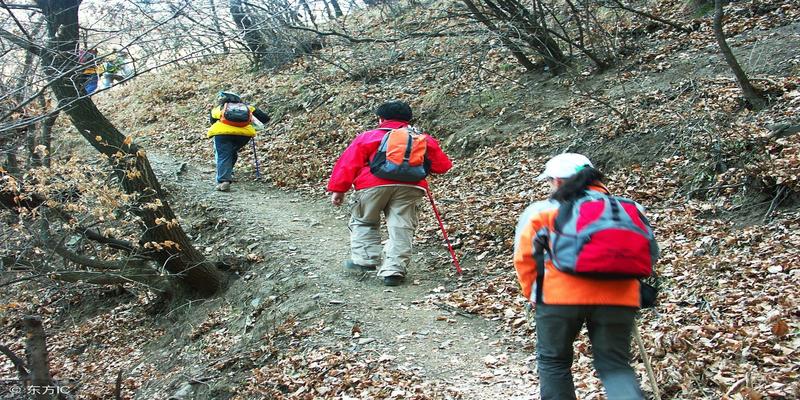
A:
[603,236]
[401,156]
[236,114]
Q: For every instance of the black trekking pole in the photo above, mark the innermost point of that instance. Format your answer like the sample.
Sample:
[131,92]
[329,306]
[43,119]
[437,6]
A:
[255,158]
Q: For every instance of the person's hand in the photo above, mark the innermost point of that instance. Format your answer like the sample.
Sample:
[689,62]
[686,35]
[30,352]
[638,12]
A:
[337,199]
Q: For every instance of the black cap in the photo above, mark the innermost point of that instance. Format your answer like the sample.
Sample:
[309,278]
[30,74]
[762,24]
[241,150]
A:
[395,110]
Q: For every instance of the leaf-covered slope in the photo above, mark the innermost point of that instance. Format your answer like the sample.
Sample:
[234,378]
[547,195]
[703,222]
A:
[667,124]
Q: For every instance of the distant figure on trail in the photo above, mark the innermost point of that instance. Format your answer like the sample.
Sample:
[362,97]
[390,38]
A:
[231,128]
[578,257]
[116,67]
[89,79]
[387,167]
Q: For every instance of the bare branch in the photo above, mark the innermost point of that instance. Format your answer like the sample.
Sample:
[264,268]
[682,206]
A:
[111,242]
[354,39]
[23,43]
[22,372]
[16,21]
[23,7]
[653,17]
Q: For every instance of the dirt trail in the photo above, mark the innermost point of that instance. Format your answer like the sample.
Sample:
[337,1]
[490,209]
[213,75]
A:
[312,238]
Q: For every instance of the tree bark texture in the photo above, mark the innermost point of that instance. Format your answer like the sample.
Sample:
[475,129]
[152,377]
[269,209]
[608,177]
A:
[130,164]
[336,9]
[527,26]
[515,50]
[252,37]
[36,352]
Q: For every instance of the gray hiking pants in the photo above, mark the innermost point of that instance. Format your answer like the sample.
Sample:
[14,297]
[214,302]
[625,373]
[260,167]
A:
[610,329]
[399,205]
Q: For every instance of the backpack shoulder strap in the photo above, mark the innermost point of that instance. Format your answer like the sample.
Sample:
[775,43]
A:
[540,245]
[566,208]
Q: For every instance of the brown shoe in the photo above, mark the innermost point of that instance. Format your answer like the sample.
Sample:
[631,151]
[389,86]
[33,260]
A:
[224,187]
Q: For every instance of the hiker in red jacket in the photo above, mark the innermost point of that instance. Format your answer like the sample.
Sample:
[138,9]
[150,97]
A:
[373,196]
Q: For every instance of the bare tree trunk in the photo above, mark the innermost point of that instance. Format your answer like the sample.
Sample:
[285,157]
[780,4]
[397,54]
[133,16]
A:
[12,164]
[132,168]
[336,9]
[532,29]
[19,94]
[217,29]
[36,351]
[328,11]
[510,45]
[45,136]
[309,12]
[252,37]
[40,136]
[22,372]
[750,93]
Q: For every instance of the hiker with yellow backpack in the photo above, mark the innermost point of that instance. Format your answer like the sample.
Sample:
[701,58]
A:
[231,128]
[387,167]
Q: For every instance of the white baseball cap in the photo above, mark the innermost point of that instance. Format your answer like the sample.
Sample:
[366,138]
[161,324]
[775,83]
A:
[564,165]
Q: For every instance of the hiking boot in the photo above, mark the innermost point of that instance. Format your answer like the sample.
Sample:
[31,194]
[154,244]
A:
[394,280]
[351,266]
[224,187]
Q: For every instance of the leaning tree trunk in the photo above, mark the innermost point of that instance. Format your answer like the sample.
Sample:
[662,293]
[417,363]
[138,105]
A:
[130,164]
[309,11]
[252,37]
[515,50]
[750,93]
[336,9]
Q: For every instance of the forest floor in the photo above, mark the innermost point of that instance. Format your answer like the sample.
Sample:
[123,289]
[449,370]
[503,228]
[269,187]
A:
[721,186]
[305,241]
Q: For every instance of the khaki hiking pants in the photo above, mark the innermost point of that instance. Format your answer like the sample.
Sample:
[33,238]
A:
[399,205]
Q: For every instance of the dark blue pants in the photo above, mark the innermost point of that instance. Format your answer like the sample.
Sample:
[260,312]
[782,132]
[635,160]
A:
[610,329]
[90,84]
[226,152]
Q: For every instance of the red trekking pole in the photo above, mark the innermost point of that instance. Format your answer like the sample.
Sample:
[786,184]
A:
[444,232]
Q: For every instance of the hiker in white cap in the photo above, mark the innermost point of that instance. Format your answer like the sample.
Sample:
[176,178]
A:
[573,282]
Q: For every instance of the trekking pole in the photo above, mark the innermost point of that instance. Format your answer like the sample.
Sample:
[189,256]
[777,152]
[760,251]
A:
[444,232]
[255,158]
[647,366]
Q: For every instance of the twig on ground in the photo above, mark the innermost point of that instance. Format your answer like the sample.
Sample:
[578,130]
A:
[776,201]
[705,189]
[454,310]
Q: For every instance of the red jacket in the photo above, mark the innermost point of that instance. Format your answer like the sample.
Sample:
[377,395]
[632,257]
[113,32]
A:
[352,168]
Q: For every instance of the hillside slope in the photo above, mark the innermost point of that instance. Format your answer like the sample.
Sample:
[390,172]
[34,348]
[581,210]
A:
[667,123]
[720,186]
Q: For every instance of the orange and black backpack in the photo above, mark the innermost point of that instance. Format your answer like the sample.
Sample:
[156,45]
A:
[401,156]
[236,114]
